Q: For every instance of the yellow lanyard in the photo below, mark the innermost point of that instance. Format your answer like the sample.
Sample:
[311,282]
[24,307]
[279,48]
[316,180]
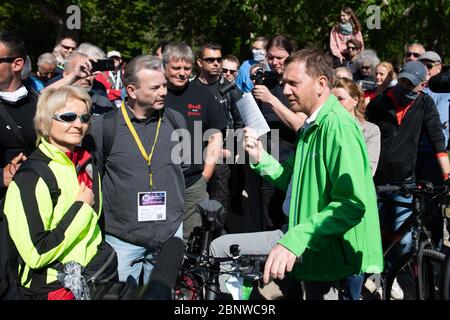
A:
[148,157]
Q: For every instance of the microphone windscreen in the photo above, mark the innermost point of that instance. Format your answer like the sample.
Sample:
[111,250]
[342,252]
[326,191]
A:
[165,272]
[440,83]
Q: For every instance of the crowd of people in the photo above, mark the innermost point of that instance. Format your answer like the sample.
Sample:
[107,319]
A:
[99,168]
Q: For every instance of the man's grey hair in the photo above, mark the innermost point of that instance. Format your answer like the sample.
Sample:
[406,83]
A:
[367,58]
[140,63]
[46,58]
[91,51]
[68,63]
[178,51]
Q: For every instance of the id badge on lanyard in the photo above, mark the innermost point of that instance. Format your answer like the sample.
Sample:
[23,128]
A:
[151,206]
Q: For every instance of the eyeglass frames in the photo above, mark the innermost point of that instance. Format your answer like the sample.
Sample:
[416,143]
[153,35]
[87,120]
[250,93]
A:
[409,54]
[212,59]
[68,47]
[70,117]
[224,70]
[7,59]
[430,65]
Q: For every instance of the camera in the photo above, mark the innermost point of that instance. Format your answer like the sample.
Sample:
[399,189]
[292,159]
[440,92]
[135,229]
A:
[102,65]
[223,91]
[258,76]
[367,85]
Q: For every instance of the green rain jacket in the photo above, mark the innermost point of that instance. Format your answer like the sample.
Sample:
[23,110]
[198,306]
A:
[333,217]
[45,236]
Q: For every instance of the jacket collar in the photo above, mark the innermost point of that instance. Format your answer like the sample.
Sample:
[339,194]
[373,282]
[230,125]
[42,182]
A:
[329,104]
[53,152]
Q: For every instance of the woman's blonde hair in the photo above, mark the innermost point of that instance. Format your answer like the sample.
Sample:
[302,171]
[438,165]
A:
[356,93]
[391,73]
[52,100]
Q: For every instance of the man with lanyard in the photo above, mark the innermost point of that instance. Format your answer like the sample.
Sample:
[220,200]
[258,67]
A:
[204,117]
[143,187]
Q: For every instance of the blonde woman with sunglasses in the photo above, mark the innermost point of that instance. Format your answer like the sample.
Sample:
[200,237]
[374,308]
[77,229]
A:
[55,232]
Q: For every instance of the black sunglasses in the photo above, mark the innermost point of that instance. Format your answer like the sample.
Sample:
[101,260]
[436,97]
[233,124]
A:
[228,70]
[68,47]
[415,54]
[429,65]
[7,59]
[70,117]
[212,59]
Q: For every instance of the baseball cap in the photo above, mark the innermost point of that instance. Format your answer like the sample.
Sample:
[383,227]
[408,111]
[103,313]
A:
[414,71]
[430,55]
[113,53]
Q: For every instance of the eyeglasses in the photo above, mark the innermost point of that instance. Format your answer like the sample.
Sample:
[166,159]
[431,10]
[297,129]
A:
[409,53]
[7,59]
[430,65]
[365,67]
[47,74]
[212,59]
[70,117]
[228,70]
[68,47]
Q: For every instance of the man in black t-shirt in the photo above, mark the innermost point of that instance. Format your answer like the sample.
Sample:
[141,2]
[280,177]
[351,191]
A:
[210,77]
[202,112]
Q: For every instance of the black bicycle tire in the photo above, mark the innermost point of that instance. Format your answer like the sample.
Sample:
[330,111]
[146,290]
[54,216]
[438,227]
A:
[427,290]
[445,279]
[404,260]
[392,273]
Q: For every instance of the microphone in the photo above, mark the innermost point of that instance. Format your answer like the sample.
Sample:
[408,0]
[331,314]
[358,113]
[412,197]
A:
[440,83]
[165,272]
[227,88]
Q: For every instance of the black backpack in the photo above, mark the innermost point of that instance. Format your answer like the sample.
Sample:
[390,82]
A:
[9,257]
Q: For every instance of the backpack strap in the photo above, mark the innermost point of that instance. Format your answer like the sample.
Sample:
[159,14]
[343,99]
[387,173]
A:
[110,122]
[171,117]
[38,162]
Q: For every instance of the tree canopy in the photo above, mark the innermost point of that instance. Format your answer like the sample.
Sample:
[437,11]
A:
[136,26]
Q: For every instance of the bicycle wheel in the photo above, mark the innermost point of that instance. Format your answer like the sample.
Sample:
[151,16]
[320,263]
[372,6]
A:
[445,279]
[415,274]
[187,288]
[430,265]
[404,270]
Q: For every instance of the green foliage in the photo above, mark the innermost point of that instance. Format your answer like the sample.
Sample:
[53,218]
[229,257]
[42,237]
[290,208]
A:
[137,26]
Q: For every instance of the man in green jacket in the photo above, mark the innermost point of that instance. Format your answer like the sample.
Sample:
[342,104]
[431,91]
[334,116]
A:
[331,200]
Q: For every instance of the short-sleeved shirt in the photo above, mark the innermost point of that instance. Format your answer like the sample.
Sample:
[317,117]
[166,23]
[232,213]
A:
[202,111]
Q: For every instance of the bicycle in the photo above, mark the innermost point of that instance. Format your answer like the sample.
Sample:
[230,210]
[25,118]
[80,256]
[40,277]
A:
[198,278]
[415,270]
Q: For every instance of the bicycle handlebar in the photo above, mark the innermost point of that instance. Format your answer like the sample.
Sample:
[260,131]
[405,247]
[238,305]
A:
[423,187]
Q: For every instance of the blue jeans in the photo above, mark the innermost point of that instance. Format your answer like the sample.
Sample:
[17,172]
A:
[127,253]
[391,218]
[353,286]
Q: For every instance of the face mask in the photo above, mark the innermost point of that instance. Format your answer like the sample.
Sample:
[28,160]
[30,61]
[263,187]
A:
[14,96]
[403,95]
[258,54]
